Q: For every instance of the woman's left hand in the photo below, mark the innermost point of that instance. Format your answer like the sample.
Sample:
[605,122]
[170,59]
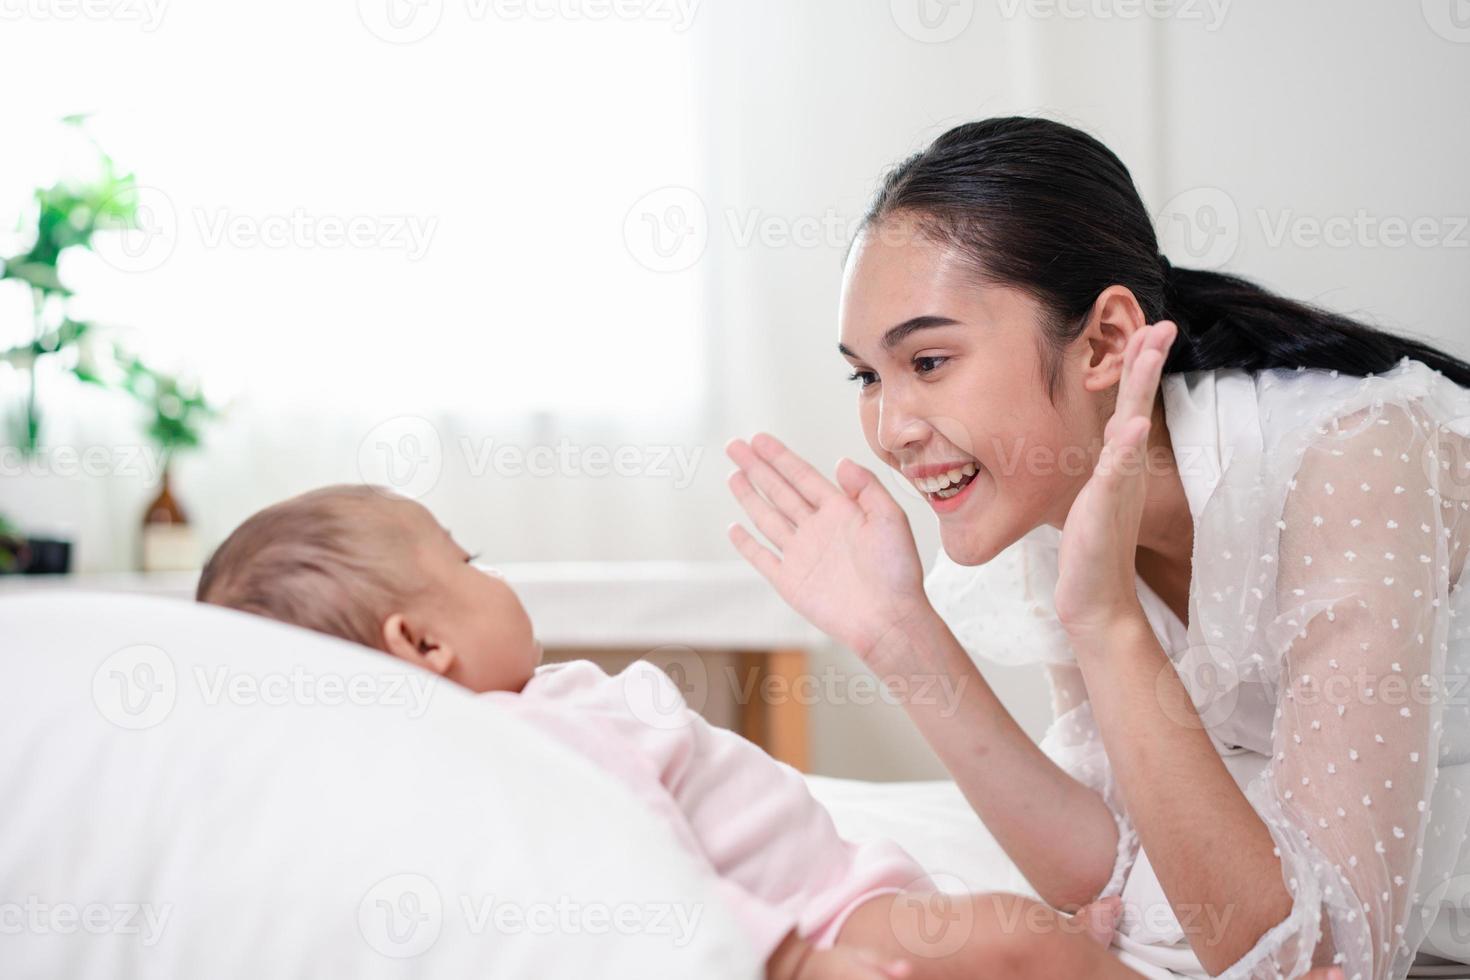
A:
[1096,582]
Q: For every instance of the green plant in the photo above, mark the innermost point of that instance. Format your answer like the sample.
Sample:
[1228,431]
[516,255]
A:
[68,215]
[176,408]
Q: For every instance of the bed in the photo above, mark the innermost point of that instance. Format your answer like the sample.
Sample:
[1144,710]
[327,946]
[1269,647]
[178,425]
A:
[193,791]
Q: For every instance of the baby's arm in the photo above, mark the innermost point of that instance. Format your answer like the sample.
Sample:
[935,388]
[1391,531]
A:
[772,845]
[797,959]
[755,817]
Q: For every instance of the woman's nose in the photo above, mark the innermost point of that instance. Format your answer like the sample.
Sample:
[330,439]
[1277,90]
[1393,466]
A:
[899,427]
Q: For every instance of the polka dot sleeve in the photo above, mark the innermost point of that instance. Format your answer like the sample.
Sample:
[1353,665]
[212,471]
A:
[1356,630]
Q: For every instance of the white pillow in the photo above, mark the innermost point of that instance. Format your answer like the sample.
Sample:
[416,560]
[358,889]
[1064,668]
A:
[189,791]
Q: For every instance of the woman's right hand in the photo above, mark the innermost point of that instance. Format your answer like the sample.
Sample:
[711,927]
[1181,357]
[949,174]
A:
[844,556]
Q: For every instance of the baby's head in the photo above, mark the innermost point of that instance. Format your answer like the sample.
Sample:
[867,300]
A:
[376,568]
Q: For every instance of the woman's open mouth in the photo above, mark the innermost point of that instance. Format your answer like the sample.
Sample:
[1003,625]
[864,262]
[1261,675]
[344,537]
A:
[946,484]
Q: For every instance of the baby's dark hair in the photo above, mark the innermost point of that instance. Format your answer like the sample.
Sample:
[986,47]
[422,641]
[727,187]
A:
[329,560]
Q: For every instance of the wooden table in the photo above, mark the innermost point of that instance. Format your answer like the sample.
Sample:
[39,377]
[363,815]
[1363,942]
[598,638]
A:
[660,610]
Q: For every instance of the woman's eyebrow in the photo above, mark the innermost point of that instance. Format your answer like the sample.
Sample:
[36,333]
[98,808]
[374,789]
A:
[895,335]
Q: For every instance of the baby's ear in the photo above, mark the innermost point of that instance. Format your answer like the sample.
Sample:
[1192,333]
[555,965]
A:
[418,647]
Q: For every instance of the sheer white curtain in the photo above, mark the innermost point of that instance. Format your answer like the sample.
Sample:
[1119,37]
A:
[363,220]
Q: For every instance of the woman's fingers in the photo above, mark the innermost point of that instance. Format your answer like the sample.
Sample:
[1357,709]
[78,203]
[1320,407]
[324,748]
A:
[1130,354]
[777,489]
[1136,390]
[864,487]
[1122,453]
[771,522]
[1143,367]
[764,560]
[811,484]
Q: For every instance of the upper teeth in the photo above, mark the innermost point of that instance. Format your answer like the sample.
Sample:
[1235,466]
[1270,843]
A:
[934,484]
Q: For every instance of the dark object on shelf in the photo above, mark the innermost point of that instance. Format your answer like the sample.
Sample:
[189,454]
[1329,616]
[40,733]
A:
[34,556]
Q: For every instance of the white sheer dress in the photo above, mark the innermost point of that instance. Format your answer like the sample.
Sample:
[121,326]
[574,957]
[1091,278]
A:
[1327,650]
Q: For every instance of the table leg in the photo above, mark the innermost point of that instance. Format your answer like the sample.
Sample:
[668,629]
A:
[748,693]
[787,730]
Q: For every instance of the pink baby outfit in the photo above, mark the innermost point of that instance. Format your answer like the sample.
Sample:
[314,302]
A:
[774,848]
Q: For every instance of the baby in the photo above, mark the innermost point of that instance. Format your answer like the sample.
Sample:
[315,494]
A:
[369,566]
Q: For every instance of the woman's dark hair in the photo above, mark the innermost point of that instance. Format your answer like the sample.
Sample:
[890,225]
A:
[1044,207]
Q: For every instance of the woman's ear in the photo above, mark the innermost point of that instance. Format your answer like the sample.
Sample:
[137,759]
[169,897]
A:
[404,641]
[1116,317]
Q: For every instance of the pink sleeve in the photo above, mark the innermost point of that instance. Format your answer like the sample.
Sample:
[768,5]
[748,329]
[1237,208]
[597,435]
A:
[580,706]
[753,817]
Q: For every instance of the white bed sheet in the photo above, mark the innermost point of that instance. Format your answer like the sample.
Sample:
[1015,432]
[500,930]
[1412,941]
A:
[935,824]
[932,821]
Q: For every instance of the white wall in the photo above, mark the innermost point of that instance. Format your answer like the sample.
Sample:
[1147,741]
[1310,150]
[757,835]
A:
[1313,111]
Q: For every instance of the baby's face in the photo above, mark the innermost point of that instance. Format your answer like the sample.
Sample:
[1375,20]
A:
[475,613]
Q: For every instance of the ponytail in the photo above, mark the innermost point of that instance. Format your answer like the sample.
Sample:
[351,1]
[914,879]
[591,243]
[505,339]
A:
[1229,322]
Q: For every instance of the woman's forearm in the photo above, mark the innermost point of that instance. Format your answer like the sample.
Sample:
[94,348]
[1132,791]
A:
[1059,832]
[1211,851]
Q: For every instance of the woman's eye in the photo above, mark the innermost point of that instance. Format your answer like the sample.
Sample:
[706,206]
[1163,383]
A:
[924,365]
[863,378]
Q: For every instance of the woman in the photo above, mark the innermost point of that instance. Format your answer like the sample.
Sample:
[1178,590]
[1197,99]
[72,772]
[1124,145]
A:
[1230,525]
